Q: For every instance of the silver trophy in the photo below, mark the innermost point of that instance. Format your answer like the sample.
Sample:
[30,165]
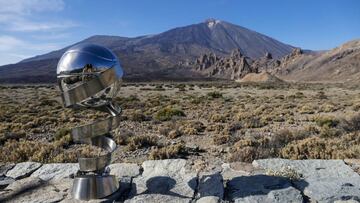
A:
[89,76]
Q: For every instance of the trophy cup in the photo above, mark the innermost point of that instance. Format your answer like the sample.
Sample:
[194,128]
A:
[89,76]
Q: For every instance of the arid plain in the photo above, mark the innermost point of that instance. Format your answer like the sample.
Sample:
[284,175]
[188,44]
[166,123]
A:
[207,123]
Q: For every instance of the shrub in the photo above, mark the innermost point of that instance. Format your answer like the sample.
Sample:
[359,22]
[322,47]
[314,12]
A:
[214,95]
[142,141]
[191,127]
[168,152]
[168,113]
[60,133]
[253,122]
[221,139]
[218,118]
[137,116]
[326,121]
[354,123]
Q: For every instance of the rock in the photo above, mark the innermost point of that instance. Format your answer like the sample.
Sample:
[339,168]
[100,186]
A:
[262,188]
[25,184]
[5,181]
[56,171]
[23,169]
[208,199]
[156,198]
[354,164]
[4,168]
[330,189]
[124,170]
[41,194]
[347,201]
[210,184]
[166,177]
[324,180]
[310,168]
[235,169]
[31,189]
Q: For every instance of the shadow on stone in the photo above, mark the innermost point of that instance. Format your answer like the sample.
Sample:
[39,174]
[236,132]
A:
[21,188]
[263,188]
[161,185]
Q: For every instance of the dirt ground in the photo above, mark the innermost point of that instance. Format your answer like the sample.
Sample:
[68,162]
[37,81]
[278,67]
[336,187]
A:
[209,123]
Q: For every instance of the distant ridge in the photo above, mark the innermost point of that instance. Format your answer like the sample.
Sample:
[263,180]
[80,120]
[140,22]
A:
[160,56]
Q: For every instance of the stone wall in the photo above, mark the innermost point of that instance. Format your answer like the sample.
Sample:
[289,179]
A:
[172,180]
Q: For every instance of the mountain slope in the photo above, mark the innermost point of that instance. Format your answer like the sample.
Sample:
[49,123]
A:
[341,64]
[153,56]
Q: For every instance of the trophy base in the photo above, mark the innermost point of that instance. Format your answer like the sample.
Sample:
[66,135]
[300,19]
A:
[87,187]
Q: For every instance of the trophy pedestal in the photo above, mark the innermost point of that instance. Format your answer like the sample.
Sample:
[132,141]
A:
[86,187]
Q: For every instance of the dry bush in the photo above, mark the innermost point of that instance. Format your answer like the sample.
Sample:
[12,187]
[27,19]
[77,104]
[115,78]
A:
[328,121]
[168,152]
[218,118]
[285,136]
[346,146]
[306,109]
[122,136]
[142,141]
[137,116]
[353,124]
[191,127]
[174,134]
[26,150]
[328,108]
[253,122]
[168,113]
[221,139]
[214,95]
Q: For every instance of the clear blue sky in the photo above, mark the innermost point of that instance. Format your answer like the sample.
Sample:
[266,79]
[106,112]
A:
[32,27]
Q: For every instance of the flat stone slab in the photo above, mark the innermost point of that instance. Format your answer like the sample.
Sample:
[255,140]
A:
[165,177]
[156,198]
[262,188]
[31,190]
[208,199]
[5,181]
[56,171]
[324,180]
[314,168]
[23,169]
[4,168]
[124,170]
[331,189]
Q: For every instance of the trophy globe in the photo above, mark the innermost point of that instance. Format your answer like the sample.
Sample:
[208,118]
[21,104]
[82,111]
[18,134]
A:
[89,76]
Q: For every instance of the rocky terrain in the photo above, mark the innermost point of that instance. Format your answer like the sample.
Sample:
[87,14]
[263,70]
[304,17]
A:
[340,64]
[232,67]
[176,180]
[157,57]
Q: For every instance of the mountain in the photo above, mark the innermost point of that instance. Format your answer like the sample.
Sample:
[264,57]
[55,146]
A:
[158,57]
[341,64]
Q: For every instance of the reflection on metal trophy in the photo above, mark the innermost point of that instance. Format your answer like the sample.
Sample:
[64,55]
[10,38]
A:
[89,76]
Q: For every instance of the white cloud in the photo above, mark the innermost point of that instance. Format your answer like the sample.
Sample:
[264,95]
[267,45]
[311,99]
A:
[24,22]
[13,49]
[17,15]
[29,6]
